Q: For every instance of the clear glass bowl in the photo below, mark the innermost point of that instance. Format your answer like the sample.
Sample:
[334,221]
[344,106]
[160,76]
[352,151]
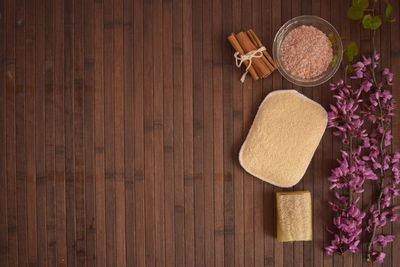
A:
[325,27]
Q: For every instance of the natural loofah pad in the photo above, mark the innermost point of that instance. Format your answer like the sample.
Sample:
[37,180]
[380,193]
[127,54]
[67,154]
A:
[293,216]
[283,138]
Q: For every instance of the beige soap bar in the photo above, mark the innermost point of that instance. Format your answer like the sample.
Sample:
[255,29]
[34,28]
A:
[283,138]
[294,216]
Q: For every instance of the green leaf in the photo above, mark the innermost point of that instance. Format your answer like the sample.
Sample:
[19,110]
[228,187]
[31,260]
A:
[366,22]
[360,3]
[331,38]
[351,51]
[388,10]
[334,60]
[388,13]
[348,69]
[355,12]
[371,23]
[375,22]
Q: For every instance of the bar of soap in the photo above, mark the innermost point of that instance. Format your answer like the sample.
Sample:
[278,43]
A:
[294,216]
[283,138]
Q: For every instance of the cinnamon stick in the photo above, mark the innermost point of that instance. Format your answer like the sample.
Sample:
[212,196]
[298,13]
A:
[264,59]
[248,46]
[236,45]
[262,64]
[266,54]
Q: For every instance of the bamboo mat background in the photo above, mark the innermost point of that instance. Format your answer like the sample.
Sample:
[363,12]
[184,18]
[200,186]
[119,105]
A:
[120,126]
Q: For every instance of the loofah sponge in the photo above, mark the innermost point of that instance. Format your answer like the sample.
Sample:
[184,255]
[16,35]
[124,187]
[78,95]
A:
[293,216]
[283,138]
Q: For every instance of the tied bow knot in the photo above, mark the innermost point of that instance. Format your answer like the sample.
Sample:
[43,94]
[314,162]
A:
[240,59]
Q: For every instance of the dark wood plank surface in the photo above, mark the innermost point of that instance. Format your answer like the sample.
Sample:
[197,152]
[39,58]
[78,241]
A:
[120,126]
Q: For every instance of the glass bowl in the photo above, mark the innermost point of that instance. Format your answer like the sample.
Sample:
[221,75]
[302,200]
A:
[323,26]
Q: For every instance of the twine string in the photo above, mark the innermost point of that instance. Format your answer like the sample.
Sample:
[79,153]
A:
[240,59]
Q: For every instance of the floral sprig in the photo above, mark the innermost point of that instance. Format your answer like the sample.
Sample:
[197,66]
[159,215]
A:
[365,156]
[378,110]
[348,178]
[365,12]
[366,151]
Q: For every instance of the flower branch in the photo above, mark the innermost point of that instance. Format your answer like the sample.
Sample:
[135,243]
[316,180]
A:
[366,151]
[378,110]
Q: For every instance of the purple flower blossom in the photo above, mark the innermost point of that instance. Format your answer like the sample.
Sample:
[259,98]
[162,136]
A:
[383,240]
[378,109]
[378,257]
[388,76]
[365,156]
[366,61]
[352,170]
[376,56]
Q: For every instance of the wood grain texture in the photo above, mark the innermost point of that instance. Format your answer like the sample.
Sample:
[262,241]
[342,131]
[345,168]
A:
[395,62]
[120,125]
[3,177]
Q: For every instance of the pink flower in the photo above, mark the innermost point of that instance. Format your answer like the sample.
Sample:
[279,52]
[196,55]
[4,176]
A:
[378,257]
[383,240]
[365,156]
[376,56]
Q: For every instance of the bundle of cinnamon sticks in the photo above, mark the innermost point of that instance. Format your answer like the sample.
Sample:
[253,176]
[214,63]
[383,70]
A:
[250,51]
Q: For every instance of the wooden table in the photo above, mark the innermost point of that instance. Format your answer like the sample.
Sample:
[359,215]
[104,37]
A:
[120,126]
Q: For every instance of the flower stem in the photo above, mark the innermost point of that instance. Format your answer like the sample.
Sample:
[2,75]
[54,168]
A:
[350,165]
[381,152]
[374,229]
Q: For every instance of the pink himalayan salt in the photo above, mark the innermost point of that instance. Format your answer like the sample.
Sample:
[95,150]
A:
[306,52]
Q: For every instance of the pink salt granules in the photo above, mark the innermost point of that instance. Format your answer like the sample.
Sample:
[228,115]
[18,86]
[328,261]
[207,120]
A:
[306,52]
